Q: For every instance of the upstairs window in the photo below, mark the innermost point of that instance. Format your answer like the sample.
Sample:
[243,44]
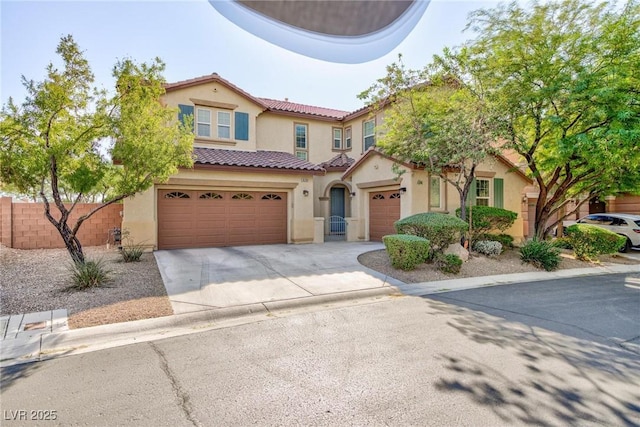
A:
[368,134]
[337,138]
[347,138]
[301,141]
[203,123]
[224,125]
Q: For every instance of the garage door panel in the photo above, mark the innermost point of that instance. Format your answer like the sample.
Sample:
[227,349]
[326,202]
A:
[216,218]
[384,210]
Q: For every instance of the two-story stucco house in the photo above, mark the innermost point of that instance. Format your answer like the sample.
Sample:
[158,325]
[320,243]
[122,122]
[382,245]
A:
[269,171]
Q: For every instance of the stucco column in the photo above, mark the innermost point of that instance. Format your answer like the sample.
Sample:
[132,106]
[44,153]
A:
[352,229]
[318,230]
[6,227]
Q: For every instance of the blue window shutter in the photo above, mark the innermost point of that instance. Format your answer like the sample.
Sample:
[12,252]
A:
[242,126]
[185,110]
[498,192]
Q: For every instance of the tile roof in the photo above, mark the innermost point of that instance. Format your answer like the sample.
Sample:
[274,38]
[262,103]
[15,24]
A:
[214,77]
[292,107]
[341,162]
[253,159]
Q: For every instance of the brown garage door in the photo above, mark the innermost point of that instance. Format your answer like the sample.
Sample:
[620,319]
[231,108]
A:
[384,210]
[195,219]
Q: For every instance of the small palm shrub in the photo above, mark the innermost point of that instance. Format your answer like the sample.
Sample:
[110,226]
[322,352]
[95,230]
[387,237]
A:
[406,252]
[540,253]
[132,252]
[439,229]
[589,241]
[448,263]
[488,248]
[90,274]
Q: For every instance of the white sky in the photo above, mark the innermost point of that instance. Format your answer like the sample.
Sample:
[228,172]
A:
[193,39]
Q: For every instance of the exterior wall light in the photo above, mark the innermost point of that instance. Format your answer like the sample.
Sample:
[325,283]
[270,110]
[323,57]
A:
[403,190]
[305,193]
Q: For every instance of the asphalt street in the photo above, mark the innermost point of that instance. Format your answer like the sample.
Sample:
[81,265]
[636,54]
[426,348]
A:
[465,358]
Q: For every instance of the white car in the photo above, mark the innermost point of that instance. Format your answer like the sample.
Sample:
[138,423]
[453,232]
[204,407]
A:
[626,225]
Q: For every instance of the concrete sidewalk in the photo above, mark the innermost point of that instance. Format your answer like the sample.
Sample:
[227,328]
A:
[222,287]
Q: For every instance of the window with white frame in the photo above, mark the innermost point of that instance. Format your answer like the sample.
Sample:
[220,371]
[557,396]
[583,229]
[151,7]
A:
[368,134]
[224,124]
[347,138]
[301,141]
[482,192]
[435,192]
[337,138]
[203,125]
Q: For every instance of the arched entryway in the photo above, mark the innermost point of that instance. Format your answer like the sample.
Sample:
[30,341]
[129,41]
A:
[339,210]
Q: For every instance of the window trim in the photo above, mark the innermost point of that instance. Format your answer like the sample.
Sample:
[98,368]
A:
[199,122]
[227,126]
[340,140]
[365,136]
[299,151]
[489,191]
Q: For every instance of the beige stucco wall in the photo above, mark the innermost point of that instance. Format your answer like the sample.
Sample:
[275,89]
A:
[218,92]
[140,215]
[376,174]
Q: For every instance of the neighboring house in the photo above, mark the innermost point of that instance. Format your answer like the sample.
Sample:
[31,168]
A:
[269,171]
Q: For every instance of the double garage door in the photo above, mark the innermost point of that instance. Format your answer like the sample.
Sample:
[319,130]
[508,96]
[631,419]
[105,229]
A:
[384,210]
[203,218]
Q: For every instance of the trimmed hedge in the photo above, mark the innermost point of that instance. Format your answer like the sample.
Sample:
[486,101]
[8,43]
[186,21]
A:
[449,263]
[589,241]
[440,229]
[541,253]
[405,251]
[488,218]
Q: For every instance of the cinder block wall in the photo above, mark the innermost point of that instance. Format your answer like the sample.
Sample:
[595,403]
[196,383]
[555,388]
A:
[26,227]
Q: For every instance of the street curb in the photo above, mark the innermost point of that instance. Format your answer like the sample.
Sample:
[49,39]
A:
[452,285]
[78,341]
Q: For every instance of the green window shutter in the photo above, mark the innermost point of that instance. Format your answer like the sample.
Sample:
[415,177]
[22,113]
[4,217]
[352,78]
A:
[471,195]
[185,110]
[498,192]
[242,126]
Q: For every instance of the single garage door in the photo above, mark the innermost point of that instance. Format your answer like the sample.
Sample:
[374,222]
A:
[384,210]
[202,218]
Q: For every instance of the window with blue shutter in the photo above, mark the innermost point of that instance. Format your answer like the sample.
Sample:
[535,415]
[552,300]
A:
[242,126]
[185,110]
[498,192]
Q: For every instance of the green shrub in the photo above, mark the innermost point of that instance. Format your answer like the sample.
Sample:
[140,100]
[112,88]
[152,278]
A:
[504,239]
[89,274]
[132,252]
[449,263]
[541,253]
[562,243]
[488,218]
[440,229]
[589,241]
[487,247]
[405,251]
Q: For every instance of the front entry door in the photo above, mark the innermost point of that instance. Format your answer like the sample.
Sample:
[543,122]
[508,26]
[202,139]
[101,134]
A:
[337,207]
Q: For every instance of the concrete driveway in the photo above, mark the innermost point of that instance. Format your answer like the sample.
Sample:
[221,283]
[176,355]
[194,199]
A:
[208,278]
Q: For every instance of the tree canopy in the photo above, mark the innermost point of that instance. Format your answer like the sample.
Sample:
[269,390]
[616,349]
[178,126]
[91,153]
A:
[566,77]
[69,139]
[433,119]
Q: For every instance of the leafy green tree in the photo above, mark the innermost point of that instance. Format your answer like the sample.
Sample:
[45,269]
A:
[436,120]
[62,138]
[565,75]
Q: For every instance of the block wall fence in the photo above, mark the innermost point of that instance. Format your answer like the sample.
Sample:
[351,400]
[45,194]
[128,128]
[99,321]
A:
[24,225]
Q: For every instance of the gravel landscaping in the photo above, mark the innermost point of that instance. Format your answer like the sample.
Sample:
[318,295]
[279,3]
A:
[477,265]
[37,280]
